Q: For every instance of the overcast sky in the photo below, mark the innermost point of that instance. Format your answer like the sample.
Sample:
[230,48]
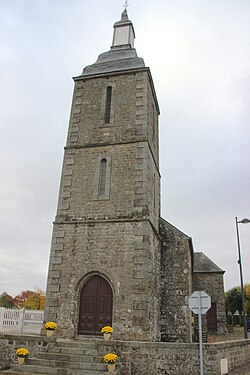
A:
[199,55]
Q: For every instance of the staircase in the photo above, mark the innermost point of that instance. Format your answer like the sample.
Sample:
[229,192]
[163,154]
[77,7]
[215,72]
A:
[68,357]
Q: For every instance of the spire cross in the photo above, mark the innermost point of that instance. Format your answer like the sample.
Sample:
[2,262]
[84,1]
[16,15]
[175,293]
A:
[125,6]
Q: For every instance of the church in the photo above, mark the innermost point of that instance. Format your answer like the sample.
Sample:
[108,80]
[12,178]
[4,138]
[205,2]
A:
[114,260]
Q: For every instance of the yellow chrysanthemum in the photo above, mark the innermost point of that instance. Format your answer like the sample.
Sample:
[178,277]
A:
[51,326]
[107,329]
[22,352]
[110,358]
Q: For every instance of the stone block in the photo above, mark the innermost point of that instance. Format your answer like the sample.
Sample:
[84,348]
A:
[56,260]
[54,287]
[59,233]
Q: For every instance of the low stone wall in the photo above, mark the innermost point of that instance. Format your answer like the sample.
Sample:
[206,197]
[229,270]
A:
[9,343]
[236,352]
[176,358]
[6,358]
[144,358]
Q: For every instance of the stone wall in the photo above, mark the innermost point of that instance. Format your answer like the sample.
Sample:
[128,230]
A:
[6,354]
[124,253]
[177,358]
[133,184]
[128,141]
[144,358]
[9,344]
[114,235]
[176,284]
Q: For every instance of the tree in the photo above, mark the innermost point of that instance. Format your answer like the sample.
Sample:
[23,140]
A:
[247,294]
[6,300]
[30,299]
[233,300]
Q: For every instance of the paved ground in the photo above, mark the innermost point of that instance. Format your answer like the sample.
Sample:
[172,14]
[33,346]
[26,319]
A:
[237,334]
[244,370]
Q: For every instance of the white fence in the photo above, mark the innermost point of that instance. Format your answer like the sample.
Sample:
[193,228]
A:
[20,321]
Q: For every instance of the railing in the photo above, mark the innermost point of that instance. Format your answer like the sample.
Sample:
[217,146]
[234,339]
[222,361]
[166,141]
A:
[20,321]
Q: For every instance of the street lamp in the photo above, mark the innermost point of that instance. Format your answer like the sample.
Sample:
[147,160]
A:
[243,221]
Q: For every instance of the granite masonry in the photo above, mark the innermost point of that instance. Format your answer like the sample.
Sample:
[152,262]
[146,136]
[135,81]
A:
[114,260]
[63,356]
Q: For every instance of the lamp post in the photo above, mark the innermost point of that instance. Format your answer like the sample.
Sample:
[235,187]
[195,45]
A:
[243,221]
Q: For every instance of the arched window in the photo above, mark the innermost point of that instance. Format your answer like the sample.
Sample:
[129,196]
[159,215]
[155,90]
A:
[102,177]
[108,105]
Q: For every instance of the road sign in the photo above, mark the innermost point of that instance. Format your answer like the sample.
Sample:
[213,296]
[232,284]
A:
[199,302]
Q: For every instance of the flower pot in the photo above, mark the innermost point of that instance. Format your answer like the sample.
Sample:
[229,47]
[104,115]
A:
[111,367]
[49,332]
[106,336]
[21,360]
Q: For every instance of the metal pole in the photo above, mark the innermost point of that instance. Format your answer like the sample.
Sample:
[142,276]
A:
[200,341]
[241,281]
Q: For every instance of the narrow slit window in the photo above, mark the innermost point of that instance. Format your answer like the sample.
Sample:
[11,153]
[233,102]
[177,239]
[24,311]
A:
[108,105]
[102,177]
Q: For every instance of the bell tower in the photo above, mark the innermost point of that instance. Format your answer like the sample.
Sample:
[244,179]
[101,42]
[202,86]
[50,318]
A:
[104,262]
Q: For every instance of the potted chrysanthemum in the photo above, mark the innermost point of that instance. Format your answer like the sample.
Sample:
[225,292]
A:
[110,359]
[107,330]
[22,353]
[50,328]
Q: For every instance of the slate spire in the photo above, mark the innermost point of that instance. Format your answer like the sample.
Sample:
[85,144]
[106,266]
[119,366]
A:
[122,55]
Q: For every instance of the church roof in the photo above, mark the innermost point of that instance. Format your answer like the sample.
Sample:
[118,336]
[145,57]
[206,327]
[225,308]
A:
[122,55]
[165,222]
[202,264]
[117,59]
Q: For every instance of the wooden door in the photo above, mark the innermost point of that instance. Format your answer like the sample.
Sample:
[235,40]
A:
[96,302]
[212,318]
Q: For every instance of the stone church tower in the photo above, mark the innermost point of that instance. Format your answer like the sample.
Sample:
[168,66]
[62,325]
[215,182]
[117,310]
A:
[114,260]
[104,265]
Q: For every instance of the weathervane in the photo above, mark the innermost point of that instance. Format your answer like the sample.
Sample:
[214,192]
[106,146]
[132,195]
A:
[126,5]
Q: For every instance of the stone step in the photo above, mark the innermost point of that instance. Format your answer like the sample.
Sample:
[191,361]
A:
[72,351]
[41,370]
[88,338]
[89,344]
[66,364]
[12,372]
[83,372]
[66,357]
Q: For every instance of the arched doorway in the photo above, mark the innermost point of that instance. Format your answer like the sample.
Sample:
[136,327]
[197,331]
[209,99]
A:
[96,303]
